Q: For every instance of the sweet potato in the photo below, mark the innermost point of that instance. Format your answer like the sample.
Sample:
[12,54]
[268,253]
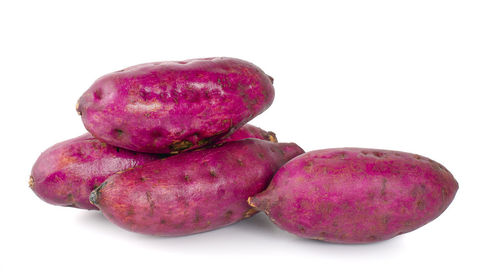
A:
[192,192]
[67,172]
[168,107]
[355,195]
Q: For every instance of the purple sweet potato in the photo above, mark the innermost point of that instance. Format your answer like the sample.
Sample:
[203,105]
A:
[194,191]
[168,107]
[250,131]
[355,195]
[67,172]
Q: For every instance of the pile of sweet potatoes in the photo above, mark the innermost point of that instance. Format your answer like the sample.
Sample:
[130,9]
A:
[170,153]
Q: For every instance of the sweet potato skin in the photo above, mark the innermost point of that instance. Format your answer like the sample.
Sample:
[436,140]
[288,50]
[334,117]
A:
[194,191]
[67,172]
[355,195]
[251,131]
[168,107]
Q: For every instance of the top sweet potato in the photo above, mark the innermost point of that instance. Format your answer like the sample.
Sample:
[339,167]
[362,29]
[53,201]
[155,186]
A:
[168,107]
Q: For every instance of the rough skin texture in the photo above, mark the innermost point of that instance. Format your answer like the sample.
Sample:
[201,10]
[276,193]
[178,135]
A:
[355,195]
[250,131]
[194,191]
[67,172]
[168,107]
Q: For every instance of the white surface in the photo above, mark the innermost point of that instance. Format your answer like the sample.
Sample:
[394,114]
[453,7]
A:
[416,76]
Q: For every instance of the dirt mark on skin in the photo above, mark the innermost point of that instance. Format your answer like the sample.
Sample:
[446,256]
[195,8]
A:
[151,203]
[382,191]
[250,212]
[31,183]
[180,145]
[271,136]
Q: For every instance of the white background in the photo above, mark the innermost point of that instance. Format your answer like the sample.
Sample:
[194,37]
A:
[416,76]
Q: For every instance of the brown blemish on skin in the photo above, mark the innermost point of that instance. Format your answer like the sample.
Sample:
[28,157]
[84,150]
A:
[261,155]
[250,212]
[249,201]
[240,162]
[117,132]
[418,190]
[94,195]
[203,142]
[197,217]
[179,226]
[131,211]
[271,78]
[228,214]
[187,178]
[78,108]
[302,229]
[420,204]
[151,203]
[212,173]
[271,136]
[31,183]
[308,167]
[70,199]
[98,94]
[180,145]
[382,191]
[444,194]
[163,221]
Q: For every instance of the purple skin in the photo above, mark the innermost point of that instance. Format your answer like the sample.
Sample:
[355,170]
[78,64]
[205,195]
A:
[194,191]
[249,131]
[354,195]
[168,107]
[67,172]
